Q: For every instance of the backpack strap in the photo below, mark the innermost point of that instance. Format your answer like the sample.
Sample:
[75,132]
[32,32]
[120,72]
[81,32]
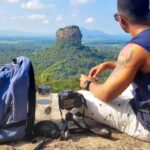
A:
[31,105]
[13,125]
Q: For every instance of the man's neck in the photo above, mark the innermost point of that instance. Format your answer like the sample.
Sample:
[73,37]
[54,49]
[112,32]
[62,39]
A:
[136,29]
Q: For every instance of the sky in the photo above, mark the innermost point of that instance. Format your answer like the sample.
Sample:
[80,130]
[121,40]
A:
[46,16]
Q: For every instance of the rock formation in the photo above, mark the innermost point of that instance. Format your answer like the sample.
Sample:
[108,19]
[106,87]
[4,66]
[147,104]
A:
[71,33]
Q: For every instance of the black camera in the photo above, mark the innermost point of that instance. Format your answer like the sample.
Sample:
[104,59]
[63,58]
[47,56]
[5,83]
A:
[69,99]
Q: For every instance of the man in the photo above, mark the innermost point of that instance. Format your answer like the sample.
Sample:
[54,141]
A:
[106,103]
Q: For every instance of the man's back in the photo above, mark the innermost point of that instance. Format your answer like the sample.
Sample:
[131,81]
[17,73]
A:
[141,84]
[143,40]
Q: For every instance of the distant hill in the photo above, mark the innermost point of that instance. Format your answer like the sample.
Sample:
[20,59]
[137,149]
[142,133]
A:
[87,34]
[97,34]
[93,33]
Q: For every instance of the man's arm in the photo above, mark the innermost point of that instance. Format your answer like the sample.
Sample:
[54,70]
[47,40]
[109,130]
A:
[110,64]
[95,71]
[130,59]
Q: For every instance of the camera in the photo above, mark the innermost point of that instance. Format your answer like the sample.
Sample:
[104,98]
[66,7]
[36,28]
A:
[69,99]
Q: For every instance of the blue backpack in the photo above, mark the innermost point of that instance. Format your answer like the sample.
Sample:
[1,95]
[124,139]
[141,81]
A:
[17,100]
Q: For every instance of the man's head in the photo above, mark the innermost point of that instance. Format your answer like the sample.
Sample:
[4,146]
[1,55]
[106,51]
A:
[133,12]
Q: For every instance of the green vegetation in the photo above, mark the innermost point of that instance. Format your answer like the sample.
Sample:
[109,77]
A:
[60,64]
[11,47]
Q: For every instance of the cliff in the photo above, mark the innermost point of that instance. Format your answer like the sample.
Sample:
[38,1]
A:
[71,33]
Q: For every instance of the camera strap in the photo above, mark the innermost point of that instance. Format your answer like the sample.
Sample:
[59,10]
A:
[61,115]
[43,143]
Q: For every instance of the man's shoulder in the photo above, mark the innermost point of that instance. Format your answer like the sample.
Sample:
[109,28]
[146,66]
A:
[132,46]
[132,54]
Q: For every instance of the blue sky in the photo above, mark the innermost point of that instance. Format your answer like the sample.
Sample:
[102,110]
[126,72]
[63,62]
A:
[46,16]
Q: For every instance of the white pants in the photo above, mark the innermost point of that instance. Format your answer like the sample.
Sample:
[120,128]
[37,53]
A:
[118,114]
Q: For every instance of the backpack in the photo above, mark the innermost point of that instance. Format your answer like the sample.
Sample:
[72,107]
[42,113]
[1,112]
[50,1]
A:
[17,100]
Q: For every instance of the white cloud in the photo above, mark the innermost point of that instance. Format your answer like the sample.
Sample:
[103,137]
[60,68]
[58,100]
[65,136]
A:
[73,15]
[14,18]
[40,18]
[10,1]
[90,20]
[59,18]
[50,6]
[33,4]
[46,21]
[79,1]
[18,18]
[36,4]
[36,17]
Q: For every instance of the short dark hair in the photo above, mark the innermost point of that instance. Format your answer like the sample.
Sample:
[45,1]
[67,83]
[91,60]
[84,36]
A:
[136,11]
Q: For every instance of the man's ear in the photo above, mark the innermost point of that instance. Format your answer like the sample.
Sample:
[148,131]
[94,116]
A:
[124,24]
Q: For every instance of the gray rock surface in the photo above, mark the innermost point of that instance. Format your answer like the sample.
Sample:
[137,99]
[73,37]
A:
[82,141]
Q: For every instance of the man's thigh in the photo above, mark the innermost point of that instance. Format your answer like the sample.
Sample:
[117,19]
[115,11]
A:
[109,114]
[118,114]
